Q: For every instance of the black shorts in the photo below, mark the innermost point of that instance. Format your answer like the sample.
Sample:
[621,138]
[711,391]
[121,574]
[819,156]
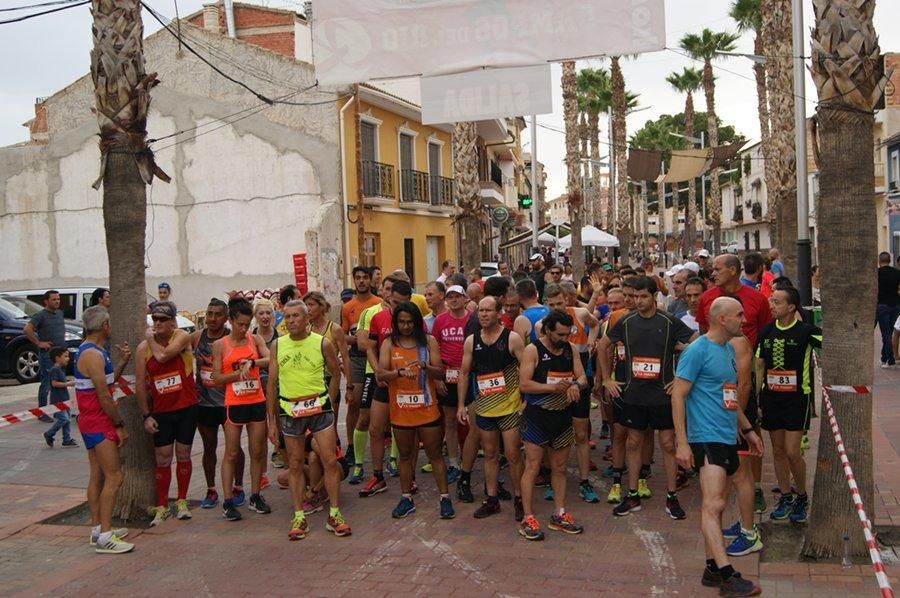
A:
[616,410]
[450,399]
[716,453]
[582,407]
[640,417]
[791,413]
[241,415]
[369,386]
[432,424]
[544,427]
[500,423]
[210,417]
[176,426]
[751,412]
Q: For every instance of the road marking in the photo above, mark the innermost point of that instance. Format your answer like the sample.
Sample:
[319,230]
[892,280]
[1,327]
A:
[660,559]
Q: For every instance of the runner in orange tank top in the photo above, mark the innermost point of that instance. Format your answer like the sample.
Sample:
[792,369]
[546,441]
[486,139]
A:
[237,359]
[410,362]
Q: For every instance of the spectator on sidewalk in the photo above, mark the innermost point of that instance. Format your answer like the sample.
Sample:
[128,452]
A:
[59,393]
[46,329]
[100,297]
[888,307]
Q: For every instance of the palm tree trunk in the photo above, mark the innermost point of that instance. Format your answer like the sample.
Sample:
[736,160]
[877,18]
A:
[714,199]
[122,97]
[587,199]
[624,224]
[597,197]
[468,220]
[645,224]
[573,164]
[761,48]
[689,234]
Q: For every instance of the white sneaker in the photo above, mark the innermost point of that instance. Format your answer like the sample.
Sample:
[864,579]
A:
[181,508]
[887,366]
[119,532]
[160,514]
[113,546]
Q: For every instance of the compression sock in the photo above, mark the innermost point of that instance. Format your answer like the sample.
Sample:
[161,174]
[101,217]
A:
[163,481]
[183,476]
[360,438]
[395,451]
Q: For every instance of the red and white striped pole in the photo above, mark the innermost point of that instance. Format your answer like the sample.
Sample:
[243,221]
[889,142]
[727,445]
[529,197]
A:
[8,419]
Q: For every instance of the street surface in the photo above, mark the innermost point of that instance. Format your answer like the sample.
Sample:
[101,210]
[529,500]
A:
[642,554]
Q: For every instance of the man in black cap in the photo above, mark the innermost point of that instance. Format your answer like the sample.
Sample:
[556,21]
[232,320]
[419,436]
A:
[538,273]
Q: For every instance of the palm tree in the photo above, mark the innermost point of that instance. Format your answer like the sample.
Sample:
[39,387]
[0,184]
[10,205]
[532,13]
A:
[594,99]
[624,225]
[849,79]
[687,82]
[573,163]
[706,46]
[584,136]
[122,98]
[468,219]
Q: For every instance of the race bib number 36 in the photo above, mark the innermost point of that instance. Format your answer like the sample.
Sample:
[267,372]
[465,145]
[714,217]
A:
[167,384]
[646,368]
[493,383]
[729,397]
[411,400]
[782,380]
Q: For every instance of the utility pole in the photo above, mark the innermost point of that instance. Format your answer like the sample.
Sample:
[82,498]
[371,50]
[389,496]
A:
[613,226]
[360,191]
[804,245]
[535,186]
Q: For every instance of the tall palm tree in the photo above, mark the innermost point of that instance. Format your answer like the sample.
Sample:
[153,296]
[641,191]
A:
[849,80]
[687,82]
[624,224]
[469,212]
[573,163]
[584,136]
[122,98]
[706,46]
[594,99]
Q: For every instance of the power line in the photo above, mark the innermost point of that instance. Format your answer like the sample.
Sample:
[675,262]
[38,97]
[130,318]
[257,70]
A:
[41,5]
[67,6]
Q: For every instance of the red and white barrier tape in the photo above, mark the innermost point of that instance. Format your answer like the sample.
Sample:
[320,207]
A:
[14,418]
[874,554]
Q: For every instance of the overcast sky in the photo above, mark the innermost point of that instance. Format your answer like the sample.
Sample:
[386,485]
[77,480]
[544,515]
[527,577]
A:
[47,53]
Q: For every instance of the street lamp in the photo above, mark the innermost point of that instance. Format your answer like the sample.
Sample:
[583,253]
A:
[702,142]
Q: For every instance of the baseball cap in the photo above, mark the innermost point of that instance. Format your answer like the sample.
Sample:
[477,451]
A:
[703,253]
[692,266]
[607,267]
[675,270]
[164,285]
[536,256]
[163,309]
[456,289]
[346,294]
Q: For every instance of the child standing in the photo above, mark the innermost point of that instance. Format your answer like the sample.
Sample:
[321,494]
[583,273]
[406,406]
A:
[59,394]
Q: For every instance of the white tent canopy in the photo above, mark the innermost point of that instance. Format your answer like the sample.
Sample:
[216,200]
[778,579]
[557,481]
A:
[591,236]
[546,239]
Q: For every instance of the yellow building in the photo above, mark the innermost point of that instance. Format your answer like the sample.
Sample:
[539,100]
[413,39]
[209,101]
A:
[407,180]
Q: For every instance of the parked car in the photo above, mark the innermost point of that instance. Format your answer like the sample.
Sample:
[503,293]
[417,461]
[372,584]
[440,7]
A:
[74,300]
[731,248]
[489,269]
[18,355]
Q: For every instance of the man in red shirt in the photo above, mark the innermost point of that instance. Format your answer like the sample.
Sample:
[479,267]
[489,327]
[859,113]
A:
[448,331]
[727,278]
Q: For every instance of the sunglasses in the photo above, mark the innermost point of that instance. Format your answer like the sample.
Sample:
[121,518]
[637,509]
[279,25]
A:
[555,272]
[160,318]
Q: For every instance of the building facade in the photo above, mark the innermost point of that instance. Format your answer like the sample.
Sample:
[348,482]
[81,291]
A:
[745,203]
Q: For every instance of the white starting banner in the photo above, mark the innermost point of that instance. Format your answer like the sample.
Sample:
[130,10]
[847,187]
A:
[486,94]
[355,41]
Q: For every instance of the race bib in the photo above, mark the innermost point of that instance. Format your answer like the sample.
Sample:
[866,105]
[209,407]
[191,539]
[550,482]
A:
[620,352]
[167,384]
[243,388]
[206,376]
[451,376]
[307,407]
[646,368]
[493,383]
[554,378]
[729,397]
[411,400]
[782,380]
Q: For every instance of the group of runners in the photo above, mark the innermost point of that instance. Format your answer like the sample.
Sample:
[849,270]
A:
[512,376]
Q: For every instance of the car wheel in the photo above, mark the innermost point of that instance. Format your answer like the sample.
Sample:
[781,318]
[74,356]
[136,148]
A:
[27,365]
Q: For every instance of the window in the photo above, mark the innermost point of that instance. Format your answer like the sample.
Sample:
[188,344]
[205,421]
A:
[409,260]
[434,173]
[895,170]
[367,136]
[371,253]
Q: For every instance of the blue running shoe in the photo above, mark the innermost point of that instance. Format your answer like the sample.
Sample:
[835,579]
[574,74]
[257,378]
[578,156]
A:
[453,474]
[211,500]
[734,530]
[745,544]
[587,493]
[798,514]
[548,493]
[608,472]
[391,468]
[239,497]
[447,511]
[783,509]
[357,473]
[404,507]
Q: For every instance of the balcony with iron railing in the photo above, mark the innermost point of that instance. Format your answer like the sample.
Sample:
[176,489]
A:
[378,180]
[420,187]
[440,190]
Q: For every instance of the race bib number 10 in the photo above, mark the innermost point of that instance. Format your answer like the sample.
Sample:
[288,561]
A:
[411,400]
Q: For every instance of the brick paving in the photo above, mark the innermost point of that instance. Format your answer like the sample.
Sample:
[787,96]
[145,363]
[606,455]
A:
[643,554]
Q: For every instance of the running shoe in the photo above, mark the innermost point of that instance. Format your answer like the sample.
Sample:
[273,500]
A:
[542,480]
[356,475]
[592,445]
[48,439]
[503,461]
[744,544]
[113,545]
[277,460]
[759,501]
[427,468]
[643,489]
[738,586]
[608,472]
[711,579]
[783,508]
[404,507]
[299,527]
[259,505]
[373,486]
[239,496]
[452,474]
[464,491]
[587,493]
[519,509]
[681,480]
[502,492]
[160,514]
[480,454]
[70,443]
[118,532]
[312,505]
[548,493]
[264,481]
[673,508]
[211,500]
[798,514]
[630,504]
[230,512]
[604,431]
[446,508]
[564,523]
[615,494]
[391,467]
[181,509]
[594,404]
[592,466]
[733,531]
[337,525]
[487,509]
[530,530]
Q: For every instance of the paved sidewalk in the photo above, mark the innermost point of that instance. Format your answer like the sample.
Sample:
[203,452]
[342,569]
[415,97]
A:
[642,554]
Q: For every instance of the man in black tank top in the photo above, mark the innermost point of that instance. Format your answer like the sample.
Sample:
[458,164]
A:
[211,412]
[551,378]
[492,356]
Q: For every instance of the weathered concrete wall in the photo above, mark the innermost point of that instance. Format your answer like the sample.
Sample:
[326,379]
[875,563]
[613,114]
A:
[244,196]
